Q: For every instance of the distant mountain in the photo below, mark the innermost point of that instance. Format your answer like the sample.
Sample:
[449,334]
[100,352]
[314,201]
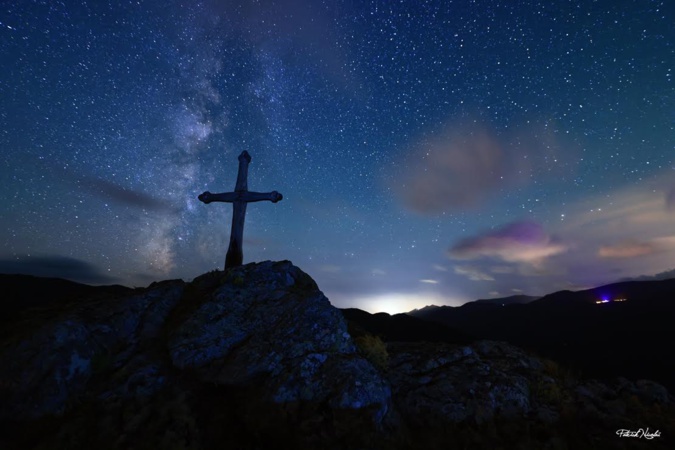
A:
[22,292]
[501,301]
[512,300]
[402,327]
[659,276]
[631,333]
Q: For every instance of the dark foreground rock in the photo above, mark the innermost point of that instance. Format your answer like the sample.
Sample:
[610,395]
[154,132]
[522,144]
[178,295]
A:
[494,395]
[233,357]
[257,358]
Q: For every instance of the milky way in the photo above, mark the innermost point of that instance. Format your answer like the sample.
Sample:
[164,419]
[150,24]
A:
[427,151]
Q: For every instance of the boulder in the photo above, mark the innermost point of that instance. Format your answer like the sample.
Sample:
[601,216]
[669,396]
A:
[45,368]
[270,324]
[445,384]
[259,344]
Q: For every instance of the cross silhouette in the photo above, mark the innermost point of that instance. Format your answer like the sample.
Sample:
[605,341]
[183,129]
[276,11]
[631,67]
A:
[239,198]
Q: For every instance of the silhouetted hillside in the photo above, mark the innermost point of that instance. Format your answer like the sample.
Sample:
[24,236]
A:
[403,327]
[21,292]
[512,300]
[634,337]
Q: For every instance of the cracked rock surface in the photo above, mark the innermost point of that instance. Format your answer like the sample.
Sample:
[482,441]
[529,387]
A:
[257,342]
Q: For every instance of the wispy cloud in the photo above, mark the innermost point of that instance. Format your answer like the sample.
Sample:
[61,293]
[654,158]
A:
[473,273]
[626,250]
[521,242]
[113,192]
[502,269]
[463,165]
[628,231]
[454,171]
[666,275]
[670,198]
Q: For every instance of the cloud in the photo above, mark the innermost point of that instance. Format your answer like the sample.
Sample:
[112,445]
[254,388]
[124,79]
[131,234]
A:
[429,281]
[463,166]
[473,273]
[119,194]
[114,192]
[502,269]
[626,249]
[670,198]
[522,242]
[454,171]
[626,231]
[666,275]
[56,266]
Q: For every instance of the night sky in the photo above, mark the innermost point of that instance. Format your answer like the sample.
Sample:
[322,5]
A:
[428,152]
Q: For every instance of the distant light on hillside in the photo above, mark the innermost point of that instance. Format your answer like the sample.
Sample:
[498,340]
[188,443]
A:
[606,300]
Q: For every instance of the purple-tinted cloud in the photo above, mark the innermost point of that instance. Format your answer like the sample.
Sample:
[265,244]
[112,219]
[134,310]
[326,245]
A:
[627,249]
[525,242]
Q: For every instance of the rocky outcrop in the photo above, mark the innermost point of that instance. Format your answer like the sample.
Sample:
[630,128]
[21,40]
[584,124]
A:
[271,325]
[261,342]
[443,383]
[497,390]
[256,357]
[43,368]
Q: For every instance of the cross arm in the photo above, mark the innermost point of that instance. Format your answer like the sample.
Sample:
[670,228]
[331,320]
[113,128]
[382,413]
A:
[241,196]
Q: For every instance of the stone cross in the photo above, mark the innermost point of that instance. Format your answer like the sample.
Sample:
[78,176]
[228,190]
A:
[239,198]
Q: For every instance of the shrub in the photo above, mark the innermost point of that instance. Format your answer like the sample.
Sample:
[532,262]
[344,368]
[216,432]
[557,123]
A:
[373,349]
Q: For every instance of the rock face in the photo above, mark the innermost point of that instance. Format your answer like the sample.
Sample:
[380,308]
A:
[271,325]
[444,385]
[260,342]
[256,357]
[45,368]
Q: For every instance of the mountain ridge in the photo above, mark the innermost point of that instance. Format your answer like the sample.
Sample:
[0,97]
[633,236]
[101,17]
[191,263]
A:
[622,327]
